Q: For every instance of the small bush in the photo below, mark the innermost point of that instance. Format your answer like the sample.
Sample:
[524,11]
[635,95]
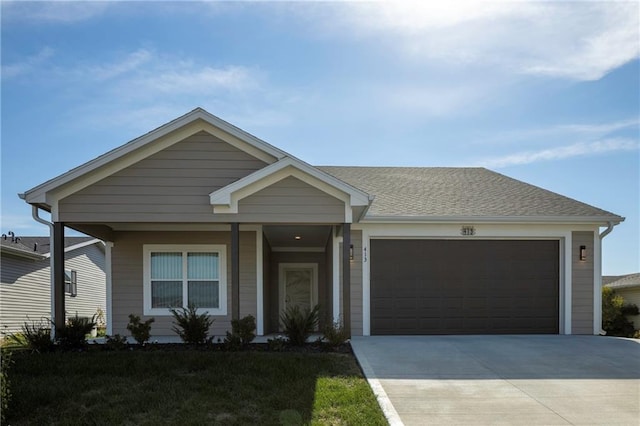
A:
[277,344]
[242,332]
[5,384]
[191,326]
[298,324]
[115,343]
[335,334]
[141,331]
[35,337]
[74,334]
[614,321]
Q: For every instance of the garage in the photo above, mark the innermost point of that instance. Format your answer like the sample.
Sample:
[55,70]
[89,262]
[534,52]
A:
[464,286]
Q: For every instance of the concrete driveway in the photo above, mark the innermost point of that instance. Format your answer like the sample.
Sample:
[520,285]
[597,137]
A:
[528,380]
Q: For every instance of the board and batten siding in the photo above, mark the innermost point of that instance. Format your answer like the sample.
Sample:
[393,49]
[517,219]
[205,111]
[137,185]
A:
[127,277]
[172,185]
[288,201]
[25,292]
[582,284]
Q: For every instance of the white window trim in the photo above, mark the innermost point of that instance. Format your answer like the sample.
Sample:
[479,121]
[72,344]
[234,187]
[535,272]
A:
[221,249]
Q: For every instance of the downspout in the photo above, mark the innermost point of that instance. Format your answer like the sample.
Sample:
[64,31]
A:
[37,218]
[603,234]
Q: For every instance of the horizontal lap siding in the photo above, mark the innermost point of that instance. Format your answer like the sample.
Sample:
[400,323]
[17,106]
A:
[172,185]
[582,284]
[290,200]
[127,276]
[356,284]
[25,292]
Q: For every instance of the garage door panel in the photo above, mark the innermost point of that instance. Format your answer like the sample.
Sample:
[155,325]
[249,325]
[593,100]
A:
[464,287]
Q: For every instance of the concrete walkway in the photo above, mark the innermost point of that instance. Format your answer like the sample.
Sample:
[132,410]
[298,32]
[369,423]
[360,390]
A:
[481,380]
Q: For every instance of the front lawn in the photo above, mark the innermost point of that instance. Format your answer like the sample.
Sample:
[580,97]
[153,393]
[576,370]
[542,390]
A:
[189,387]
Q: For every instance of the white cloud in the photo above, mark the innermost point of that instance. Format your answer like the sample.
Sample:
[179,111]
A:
[199,80]
[130,63]
[53,11]
[27,65]
[575,40]
[562,152]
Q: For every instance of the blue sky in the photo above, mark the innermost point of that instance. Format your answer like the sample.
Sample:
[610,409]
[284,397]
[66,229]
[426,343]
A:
[545,92]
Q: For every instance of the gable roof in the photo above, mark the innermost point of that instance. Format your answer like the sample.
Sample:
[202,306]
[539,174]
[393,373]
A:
[39,248]
[258,147]
[448,193]
[624,281]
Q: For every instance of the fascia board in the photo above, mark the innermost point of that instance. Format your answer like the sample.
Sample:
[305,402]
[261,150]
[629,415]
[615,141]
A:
[595,220]
[174,131]
[22,253]
[279,170]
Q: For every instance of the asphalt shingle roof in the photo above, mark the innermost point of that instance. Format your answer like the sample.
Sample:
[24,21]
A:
[39,245]
[461,192]
[625,281]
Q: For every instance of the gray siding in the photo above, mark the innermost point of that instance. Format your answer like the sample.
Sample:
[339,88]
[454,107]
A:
[170,186]
[127,279]
[582,284]
[356,284]
[26,292]
[289,200]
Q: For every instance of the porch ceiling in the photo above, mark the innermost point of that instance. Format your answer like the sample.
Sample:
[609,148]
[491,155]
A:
[284,236]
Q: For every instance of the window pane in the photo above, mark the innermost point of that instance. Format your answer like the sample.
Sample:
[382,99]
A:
[202,266]
[166,266]
[166,294]
[204,294]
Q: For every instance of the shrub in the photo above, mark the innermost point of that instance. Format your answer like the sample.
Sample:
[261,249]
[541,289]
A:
[277,344]
[242,332]
[141,331]
[191,326]
[298,324]
[35,337]
[335,333]
[614,321]
[115,343]
[74,333]
[5,385]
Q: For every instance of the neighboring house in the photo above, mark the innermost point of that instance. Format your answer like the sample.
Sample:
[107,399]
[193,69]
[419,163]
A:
[25,289]
[627,286]
[199,211]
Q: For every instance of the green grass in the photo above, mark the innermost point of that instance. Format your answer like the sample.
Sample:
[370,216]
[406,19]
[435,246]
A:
[190,387]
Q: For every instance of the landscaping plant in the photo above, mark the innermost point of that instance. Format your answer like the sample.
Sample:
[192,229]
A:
[242,332]
[74,333]
[5,391]
[191,326]
[115,343]
[298,324]
[35,337]
[614,314]
[141,331]
[335,334]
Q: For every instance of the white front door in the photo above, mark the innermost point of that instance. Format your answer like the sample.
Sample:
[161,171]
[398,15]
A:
[298,285]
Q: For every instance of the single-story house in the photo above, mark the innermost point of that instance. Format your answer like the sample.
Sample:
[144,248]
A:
[627,286]
[200,212]
[25,287]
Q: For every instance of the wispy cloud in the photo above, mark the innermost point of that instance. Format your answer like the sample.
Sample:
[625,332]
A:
[27,65]
[52,11]
[563,152]
[574,40]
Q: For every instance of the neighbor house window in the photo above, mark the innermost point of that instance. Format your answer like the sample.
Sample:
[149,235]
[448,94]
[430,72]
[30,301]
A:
[179,276]
[71,282]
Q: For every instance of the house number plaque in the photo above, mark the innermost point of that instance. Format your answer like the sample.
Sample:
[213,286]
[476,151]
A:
[467,230]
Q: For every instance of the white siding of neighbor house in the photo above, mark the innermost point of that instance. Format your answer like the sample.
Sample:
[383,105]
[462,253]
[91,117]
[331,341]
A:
[127,277]
[25,292]
[288,201]
[172,185]
[582,284]
[631,295]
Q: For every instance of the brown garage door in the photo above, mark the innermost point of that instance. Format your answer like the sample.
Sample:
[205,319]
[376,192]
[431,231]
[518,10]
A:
[464,287]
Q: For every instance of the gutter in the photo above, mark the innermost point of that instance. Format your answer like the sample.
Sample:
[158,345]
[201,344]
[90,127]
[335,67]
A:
[603,234]
[37,218]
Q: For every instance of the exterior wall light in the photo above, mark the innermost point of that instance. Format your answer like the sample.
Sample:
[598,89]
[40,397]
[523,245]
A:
[351,252]
[583,253]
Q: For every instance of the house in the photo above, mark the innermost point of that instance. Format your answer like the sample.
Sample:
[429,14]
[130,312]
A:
[199,211]
[25,289]
[627,286]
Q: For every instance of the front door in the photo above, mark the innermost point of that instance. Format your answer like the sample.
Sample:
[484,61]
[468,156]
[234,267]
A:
[298,285]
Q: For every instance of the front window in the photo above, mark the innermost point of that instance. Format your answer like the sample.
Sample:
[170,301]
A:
[179,276]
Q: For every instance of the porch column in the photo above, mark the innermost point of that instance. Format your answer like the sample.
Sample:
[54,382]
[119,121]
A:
[346,277]
[57,251]
[235,271]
